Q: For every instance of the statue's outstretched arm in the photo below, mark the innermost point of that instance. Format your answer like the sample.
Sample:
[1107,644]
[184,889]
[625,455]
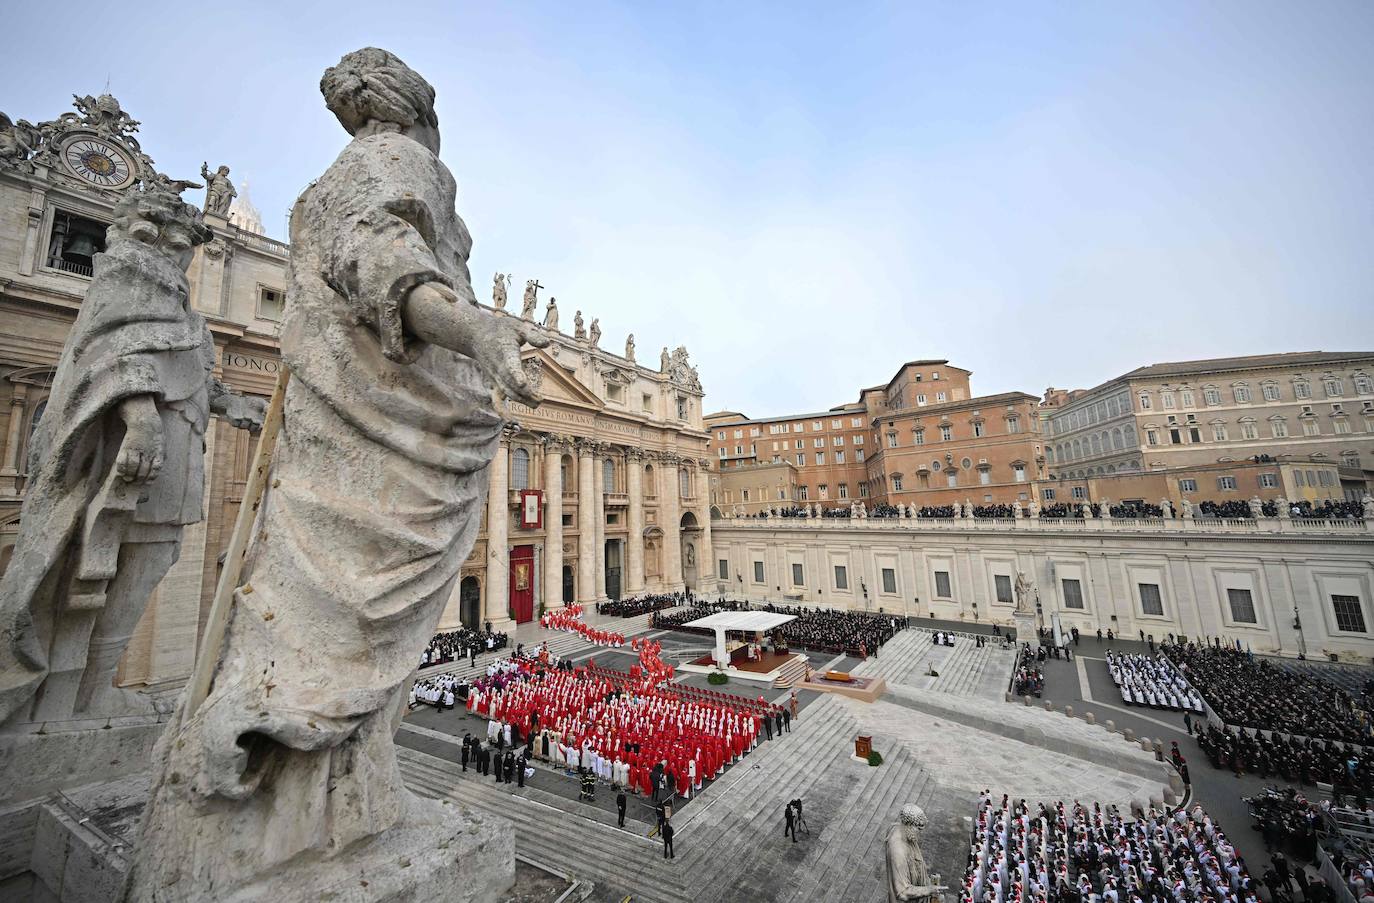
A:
[243,411]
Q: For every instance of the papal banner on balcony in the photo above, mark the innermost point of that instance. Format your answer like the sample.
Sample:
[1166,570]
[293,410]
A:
[531,509]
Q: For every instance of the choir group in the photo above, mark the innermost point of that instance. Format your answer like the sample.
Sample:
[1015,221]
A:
[1153,682]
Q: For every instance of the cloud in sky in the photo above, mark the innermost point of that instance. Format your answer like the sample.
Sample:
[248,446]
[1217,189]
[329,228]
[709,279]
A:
[808,195]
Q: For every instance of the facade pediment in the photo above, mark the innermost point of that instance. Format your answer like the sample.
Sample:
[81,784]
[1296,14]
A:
[558,386]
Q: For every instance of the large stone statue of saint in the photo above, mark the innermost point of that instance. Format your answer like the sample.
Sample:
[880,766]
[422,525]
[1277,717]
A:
[907,878]
[630,347]
[530,300]
[551,315]
[1024,589]
[284,782]
[117,469]
[594,333]
[219,191]
[498,290]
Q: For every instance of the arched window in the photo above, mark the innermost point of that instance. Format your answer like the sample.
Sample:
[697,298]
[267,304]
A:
[1118,442]
[520,469]
[1097,445]
[684,483]
[608,475]
[563,469]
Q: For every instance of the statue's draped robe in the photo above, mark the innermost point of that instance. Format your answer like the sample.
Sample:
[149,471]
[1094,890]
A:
[376,498]
[906,867]
[135,335]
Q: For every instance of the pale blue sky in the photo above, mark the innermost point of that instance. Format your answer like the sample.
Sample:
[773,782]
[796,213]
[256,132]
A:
[807,195]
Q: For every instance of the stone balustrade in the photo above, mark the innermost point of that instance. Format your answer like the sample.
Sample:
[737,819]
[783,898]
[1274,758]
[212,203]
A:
[1209,525]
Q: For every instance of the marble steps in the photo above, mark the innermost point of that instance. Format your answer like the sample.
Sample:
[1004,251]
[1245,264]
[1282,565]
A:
[867,870]
[831,862]
[728,818]
[724,840]
[900,649]
[793,673]
[586,849]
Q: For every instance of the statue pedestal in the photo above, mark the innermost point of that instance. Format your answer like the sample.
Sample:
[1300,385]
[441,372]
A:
[1026,631]
[69,754]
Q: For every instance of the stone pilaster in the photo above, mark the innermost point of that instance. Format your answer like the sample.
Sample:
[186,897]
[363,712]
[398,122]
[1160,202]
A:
[599,508]
[496,599]
[553,521]
[10,473]
[634,547]
[706,559]
[670,512]
[587,503]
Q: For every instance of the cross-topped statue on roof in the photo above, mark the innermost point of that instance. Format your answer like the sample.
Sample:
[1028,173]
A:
[530,300]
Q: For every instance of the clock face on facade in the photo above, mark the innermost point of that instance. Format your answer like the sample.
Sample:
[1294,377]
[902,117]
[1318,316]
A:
[99,162]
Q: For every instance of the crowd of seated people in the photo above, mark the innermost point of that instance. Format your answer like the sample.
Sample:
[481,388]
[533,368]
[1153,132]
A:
[1250,692]
[851,632]
[461,643]
[1077,854]
[1297,760]
[1029,678]
[1153,682]
[642,605]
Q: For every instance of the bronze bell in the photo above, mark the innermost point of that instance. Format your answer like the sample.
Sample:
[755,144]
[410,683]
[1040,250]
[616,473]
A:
[83,245]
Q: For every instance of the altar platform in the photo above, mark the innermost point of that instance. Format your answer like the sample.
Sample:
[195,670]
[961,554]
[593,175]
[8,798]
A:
[781,671]
[771,669]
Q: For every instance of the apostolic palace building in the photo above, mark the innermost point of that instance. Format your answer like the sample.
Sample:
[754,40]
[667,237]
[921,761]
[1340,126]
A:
[620,484]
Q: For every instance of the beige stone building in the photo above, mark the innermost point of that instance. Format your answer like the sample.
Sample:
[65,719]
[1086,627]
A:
[613,460]
[1304,406]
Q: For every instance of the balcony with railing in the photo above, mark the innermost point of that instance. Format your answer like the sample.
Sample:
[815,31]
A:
[1202,525]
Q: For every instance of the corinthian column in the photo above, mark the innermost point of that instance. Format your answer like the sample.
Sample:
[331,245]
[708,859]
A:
[496,599]
[586,522]
[670,509]
[706,559]
[634,548]
[553,521]
[599,479]
[9,474]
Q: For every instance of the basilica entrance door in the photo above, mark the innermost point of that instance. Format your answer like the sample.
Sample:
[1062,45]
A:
[522,584]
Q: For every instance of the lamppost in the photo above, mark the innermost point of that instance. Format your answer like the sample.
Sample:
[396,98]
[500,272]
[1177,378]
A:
[1297,625]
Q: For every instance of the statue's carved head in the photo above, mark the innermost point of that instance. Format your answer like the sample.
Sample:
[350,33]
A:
[913,816]
[372,87]
[155,215]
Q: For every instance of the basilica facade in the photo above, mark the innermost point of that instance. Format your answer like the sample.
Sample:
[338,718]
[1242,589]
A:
[600,492]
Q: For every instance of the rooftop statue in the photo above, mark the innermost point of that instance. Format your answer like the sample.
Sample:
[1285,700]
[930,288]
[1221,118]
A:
[219,191]
[117,468]
[285,778]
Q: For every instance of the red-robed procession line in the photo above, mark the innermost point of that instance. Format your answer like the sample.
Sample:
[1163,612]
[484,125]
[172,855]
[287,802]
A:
[576,707]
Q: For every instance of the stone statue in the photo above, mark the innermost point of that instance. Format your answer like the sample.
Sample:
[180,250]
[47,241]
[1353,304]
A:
[1018,510]
[1033,509]
[219,191]
[594,336]
[664,361]
[117,469]
[691,555]
[1256,507]
[1187,509]
[551,315]
[1104,508]
[18,140]
[531,299]
[579,330]
[104,114]
[630,347]
[1286,513]
[499,283]
[1366,503]
[285,779]
[907,878]
[1024,588]
[1167,507]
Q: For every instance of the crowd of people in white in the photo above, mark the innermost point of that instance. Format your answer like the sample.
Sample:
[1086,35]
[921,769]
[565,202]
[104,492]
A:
[1082,855]
[1154,682]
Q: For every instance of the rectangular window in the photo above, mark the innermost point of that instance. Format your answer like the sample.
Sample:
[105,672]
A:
[1073,593]
[891,440]
[723,569]
[1334,387]
[951,478]
[1013,424]
[1242,606]
[818,443]
[946,433]
[1019,472]
[1219,432]
[1269,480]
[896,484]
[682,410]
[856,422]
[1187,396]
[801,459]
[1271,392]
[271,303]
[1349,614]
[1279,428]
[824,490]
[1248,430]
[919,436]
[920,400]
[1242,393]
[801,492]
[744,495]
[984,477]
[1227,483]
[859,455]
[758,571]
[815,425]
[1144,402]
[1079,492]
[1302,390]
[977,429]
[939,396]
[942,585]
[1212,396]
[1151,437]
[1342,426]
[1310,427]
[841,577]
[1363,385]
[839,457]
[1151,603]
[837,440]
[1187,485]
[820,459]
[837,424]
[889,580]
[1002,584]
[797,575]
[843,490]
[1047,494]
